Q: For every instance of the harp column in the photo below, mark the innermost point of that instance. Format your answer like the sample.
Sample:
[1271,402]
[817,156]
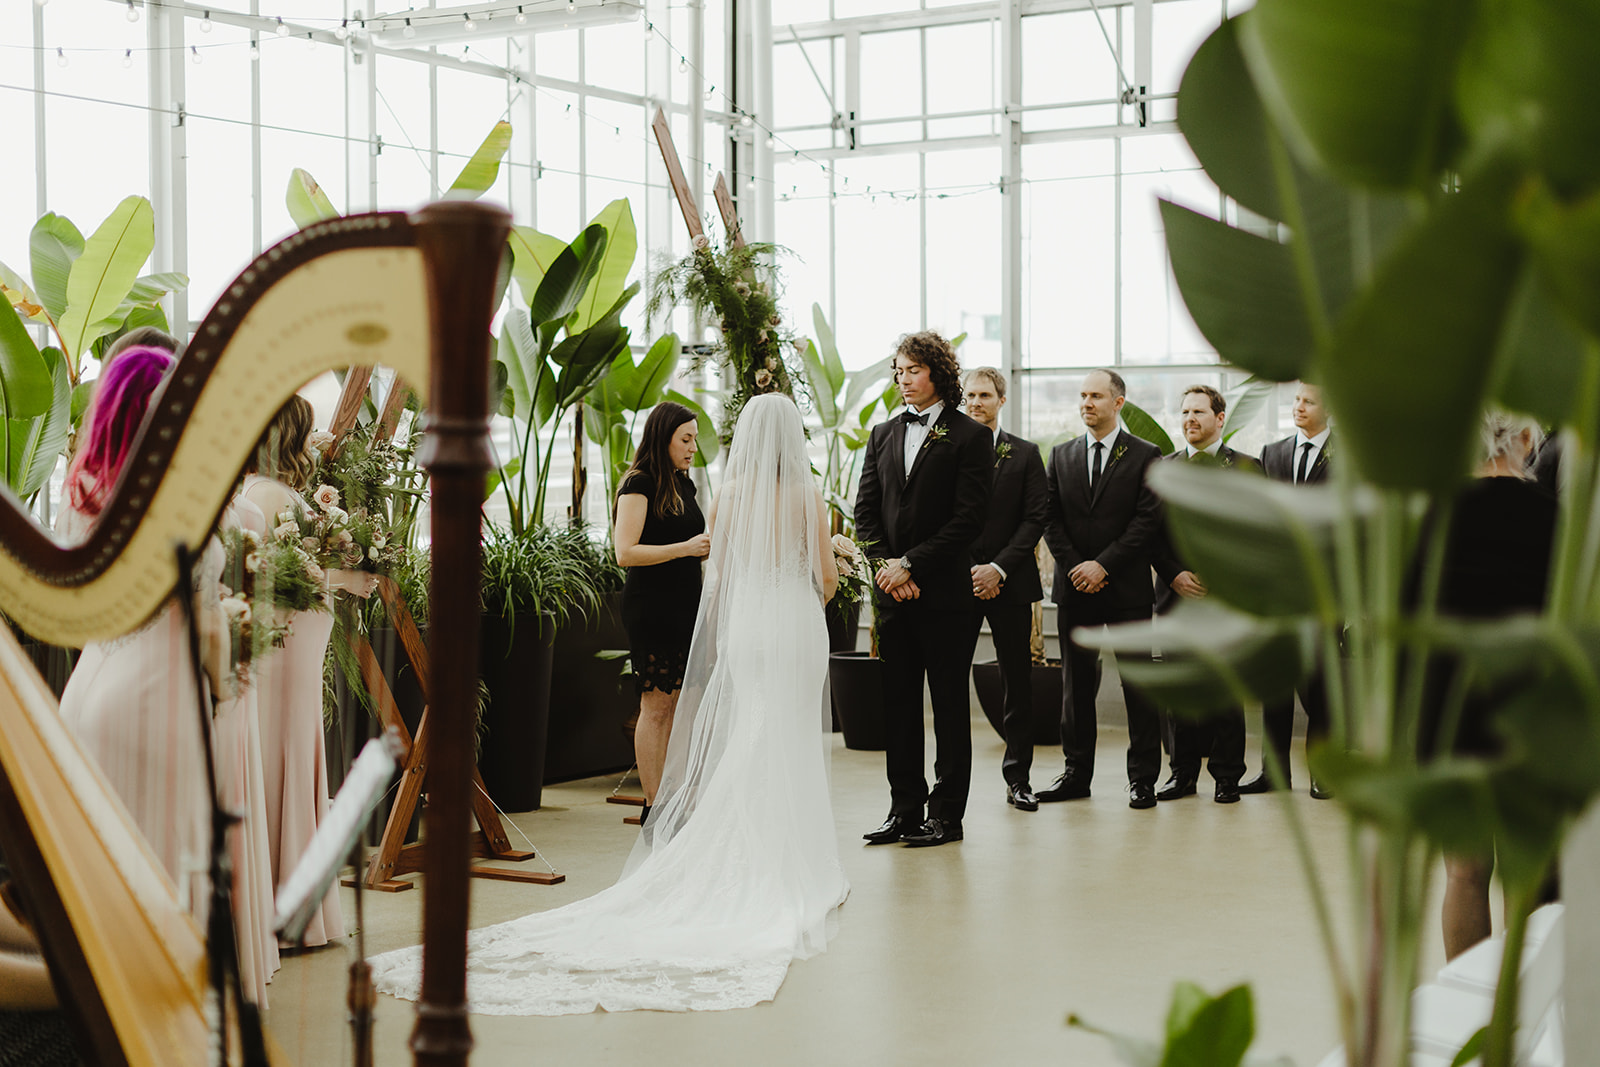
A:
[462,244]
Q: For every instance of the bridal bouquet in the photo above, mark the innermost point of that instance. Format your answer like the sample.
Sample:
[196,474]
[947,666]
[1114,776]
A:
[264,581]
[855,569]
[357,539]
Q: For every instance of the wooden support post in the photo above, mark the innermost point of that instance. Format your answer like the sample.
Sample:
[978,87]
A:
[680,184]
[729,213]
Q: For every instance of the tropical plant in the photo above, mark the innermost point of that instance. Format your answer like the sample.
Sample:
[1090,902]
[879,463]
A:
[557,349]
[737,288]
[1425,261]
[836,398]
[614,405]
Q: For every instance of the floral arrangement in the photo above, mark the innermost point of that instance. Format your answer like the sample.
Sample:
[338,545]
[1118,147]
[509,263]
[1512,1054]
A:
[357,540]
[855,570]
[737,289]
[264,581]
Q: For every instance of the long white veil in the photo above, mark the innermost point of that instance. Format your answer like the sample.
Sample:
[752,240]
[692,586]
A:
[736,872]
[760,611]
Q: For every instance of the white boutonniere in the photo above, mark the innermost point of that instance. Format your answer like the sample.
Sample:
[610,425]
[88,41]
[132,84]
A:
[935,435]
[1001,451]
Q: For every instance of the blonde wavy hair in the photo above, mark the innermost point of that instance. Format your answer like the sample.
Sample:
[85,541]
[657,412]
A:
[281,451]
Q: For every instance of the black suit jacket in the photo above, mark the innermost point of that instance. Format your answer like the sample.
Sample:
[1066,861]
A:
[1278,460]
[1117,525]
[933,513]
[1018,504]
[1167,562]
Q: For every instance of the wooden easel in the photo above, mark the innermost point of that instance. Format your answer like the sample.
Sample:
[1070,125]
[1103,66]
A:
[394,858]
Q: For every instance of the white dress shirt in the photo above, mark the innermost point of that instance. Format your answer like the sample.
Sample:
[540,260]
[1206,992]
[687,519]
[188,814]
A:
[1110,442]
[915,434]
[1211,450]
[1300,441]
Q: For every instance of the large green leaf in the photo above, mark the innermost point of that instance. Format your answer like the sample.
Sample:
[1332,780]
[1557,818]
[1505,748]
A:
[1225,124]
[859,382]
[830,350]
[1287,570]
[1212,657]
[532,254]
[1427,329]
[25,382]
[1365,86]
[709,442]
[478,176]
[616,262]
[1566,244]
[1246,403]
[1525,65]
[1544,359]
[47,439]
[568,278]
[53,246]
[306,201]
[1206,1031]
[102,277]
[1242,293]
[645,386]
[20,295]
[519,352]
[1141,424]
[585,358]
[822,393]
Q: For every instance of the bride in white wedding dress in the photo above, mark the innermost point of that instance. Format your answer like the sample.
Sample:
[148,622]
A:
[736,872]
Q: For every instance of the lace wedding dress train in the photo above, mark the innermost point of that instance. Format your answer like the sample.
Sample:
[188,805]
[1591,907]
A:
[737,872]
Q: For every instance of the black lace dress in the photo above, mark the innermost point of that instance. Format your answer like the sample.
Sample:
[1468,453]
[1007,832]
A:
[659,602]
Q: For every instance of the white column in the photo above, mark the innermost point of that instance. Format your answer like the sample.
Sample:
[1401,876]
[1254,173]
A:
[169,181]
[360,125]
[1011,280]
[695,171]
[764,202]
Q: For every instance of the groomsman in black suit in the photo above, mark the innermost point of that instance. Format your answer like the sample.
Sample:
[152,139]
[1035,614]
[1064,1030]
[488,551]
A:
[1301,459]
[1102,527]
[924,489]
[1219,738]
[1005,575]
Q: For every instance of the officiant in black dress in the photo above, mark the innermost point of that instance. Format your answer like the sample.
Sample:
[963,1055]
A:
[924,487]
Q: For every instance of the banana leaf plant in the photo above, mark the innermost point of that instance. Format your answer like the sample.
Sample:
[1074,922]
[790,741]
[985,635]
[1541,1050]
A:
[1427,261]
[611,412]
[557,349]
[837,399]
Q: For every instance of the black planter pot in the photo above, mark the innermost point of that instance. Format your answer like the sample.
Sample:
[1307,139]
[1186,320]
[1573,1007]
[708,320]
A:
[1047,685]
[844,621]
[591,703]
[856,679]
[515,661]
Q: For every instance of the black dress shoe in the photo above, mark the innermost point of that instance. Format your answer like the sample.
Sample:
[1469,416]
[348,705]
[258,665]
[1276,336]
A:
[893,829]
[1065,787]
[934,832]
[1261,783]
[1177,787]
[1021,798]
[1227,793]
[1319,791]
[1142,795]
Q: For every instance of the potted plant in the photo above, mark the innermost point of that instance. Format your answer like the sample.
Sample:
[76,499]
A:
[1432,260]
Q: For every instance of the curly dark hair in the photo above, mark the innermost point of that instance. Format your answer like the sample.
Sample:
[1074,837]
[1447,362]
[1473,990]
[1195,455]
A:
[935,353]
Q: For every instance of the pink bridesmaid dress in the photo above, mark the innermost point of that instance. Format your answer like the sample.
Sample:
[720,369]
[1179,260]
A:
[237,743]
[293,758]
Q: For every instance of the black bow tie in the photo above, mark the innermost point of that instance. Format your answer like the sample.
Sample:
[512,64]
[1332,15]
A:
[909,417]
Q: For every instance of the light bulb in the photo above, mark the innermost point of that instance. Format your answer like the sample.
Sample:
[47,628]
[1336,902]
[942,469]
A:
[311,42]
[466,53]
[617,130]
[343,31]
[127,58]
[567,114]
[133,12]
[194,55]
[467,18]
[683,65]
[746,120]
[205,23]
[40,3]
[770,142]
[61,58]
[649,28]
[571,6]
[521,19]
[711,90]
[409,31]
[255,52]
[751,181]
[281,30]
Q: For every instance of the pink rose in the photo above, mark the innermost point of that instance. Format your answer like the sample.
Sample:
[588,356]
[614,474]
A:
[326,496]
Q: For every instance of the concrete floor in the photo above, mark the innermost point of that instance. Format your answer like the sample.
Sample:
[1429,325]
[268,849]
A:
[971,953]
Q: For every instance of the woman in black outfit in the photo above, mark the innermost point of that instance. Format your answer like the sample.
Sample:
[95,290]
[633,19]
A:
[660,537]
[1497,563]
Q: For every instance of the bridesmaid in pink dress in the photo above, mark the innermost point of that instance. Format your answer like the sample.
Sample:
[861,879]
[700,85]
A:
[289,683]
[131,701]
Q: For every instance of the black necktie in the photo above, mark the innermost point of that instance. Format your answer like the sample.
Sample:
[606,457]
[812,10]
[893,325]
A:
[1099,456]
[1305,461]
[909,417]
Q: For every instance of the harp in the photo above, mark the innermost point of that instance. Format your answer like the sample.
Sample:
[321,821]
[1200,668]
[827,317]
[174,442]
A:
[413,292]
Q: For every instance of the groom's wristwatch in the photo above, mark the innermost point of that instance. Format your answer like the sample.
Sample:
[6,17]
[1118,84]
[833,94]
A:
[905,564]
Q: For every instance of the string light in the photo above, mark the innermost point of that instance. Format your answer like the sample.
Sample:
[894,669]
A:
[466,17]
[746,120]
[409,31]
[283,31]
[194,55]
[255,52]
[649,29]
[711,90]
[127,58]
[311,43]
[521,19]
[466,53]
[61,58]
[133,12]
[205,23]
[343,31]
[571,6]
[683,65]
[771,142]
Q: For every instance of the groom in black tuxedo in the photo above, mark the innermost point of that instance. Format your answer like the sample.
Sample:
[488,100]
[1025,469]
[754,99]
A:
[924,487]
[1102,528]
